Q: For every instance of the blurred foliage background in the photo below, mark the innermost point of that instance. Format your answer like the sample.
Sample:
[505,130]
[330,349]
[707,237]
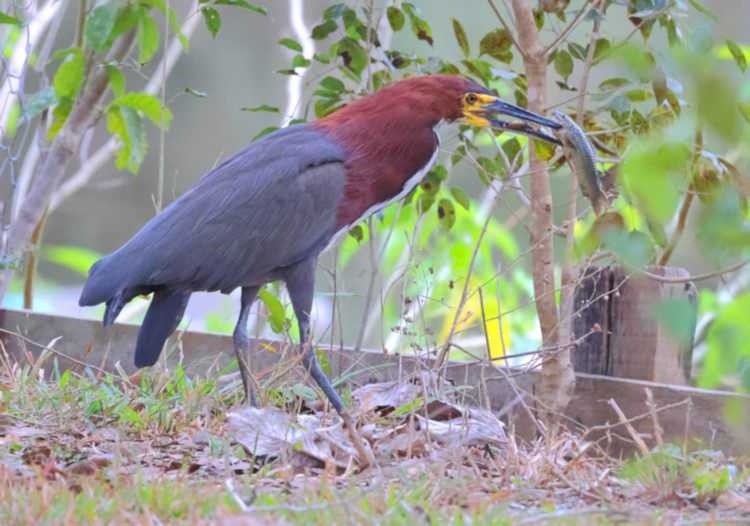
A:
[668,95]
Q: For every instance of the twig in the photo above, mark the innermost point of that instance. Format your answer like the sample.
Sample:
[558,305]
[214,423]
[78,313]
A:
[31,263]
[696,277]
[652,409]
[81,23]
[633,433]
[687,201]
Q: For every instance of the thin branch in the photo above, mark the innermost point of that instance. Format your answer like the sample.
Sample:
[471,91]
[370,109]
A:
[696,277]
[633,433]
[82,10]
[686,202]
[163,95]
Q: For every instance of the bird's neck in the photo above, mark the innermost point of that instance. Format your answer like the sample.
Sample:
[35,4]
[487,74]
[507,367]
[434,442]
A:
[387,154]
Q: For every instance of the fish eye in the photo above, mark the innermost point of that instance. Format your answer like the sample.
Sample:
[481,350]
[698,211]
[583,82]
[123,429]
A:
[471,98]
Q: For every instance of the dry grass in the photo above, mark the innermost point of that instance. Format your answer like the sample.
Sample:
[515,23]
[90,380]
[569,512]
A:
[156,448]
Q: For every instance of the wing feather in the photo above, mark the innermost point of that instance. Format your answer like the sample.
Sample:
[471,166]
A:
[269,206]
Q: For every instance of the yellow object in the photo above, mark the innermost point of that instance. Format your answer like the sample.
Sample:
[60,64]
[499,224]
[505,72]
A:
[498,332]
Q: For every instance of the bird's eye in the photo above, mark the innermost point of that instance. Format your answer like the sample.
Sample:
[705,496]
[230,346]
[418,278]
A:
[471,98]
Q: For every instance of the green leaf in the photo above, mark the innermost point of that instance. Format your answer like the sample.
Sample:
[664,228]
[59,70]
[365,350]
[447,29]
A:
[658,234]
[430,184]
[69,77]
[357,233]
[577,51]
[195,93]
[564,64]
[635,247]
[291,44]
[325,107]
[421,29]
[461,197]
[440,171]
[425,201]
[446,213]
[335,11]
[158,4]
[396,18]
[243,3]
[728,341]
[610,84]
[738,54]
[7,19]
[60,114]
[350,20]
[213,20]
[321,31]
[463,42]
[128,19]
[647,176]
[77,259]
[601,48]
[744,110]
[300,62]
[99,25]
[353,54]
[176,29]
[496,44]
[62,53]
[304,392]
[638,95]
[544,150]
[263,107]
[265,131]
[333,84]
[128,131]
[39,101]
[136,137]
[276,313]
[620,103]
[703,10]
[116,80]
[147,36]
[149,105]
[539,19]
[323,59]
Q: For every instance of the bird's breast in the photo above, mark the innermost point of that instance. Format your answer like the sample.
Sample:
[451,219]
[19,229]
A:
[384,177]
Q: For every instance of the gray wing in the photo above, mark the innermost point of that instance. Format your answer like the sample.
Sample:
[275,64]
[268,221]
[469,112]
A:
[269,206]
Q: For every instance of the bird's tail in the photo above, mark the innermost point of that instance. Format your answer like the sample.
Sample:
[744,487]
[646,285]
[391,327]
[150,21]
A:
[162,318]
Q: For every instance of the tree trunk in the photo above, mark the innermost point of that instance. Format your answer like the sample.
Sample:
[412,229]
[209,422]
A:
[558,379]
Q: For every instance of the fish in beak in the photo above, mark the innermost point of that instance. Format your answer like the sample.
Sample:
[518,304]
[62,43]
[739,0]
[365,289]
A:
[500,107]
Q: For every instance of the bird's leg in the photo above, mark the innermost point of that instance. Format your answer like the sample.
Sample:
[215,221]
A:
[242,342]
[300,283]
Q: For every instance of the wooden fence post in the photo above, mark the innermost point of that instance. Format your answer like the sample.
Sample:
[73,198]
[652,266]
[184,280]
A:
[634,342]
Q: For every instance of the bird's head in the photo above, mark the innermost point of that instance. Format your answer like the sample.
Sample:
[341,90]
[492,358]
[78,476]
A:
[427,100]
[476,105]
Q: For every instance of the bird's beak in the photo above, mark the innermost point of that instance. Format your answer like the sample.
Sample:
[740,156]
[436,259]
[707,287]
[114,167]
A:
[500,107]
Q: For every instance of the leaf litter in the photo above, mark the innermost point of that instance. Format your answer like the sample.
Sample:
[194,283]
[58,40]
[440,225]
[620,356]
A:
[100,443]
